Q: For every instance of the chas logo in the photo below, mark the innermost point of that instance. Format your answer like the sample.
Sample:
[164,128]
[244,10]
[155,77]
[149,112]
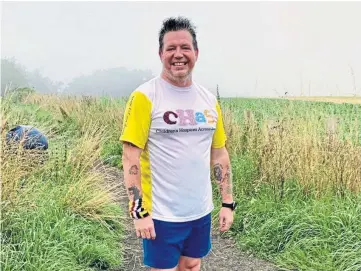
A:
[188,117]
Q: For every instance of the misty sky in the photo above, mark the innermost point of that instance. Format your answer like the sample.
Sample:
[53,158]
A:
[248,48]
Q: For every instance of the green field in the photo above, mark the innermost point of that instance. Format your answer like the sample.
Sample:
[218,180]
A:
[296,173]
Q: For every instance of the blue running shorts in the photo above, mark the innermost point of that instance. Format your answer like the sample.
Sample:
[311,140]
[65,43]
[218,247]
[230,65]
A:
[175,239]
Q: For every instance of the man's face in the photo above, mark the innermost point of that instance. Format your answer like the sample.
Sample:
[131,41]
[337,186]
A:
[178,55]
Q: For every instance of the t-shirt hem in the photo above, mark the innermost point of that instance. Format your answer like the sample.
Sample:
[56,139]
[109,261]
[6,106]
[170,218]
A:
[218,146]
[182,219]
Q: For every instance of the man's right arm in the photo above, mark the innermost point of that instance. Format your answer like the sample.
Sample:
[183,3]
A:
[144,226]
[136,125]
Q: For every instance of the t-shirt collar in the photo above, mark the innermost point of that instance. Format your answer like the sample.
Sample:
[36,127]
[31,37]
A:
[176,88]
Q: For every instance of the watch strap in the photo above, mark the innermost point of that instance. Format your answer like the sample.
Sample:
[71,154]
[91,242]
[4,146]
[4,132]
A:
[232,205]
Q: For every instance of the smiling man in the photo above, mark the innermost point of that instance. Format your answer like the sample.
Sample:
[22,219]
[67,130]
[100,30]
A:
[173,138]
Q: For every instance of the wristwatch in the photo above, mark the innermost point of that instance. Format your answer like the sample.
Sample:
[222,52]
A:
[232,205]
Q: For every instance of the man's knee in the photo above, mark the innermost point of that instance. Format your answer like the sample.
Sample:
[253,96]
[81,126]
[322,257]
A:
[189,264]
[194,266]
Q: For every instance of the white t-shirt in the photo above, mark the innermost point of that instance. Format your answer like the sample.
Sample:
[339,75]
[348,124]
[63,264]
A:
[176,128]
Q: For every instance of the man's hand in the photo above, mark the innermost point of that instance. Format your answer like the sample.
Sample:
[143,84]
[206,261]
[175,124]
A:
[144,228]
[225,219]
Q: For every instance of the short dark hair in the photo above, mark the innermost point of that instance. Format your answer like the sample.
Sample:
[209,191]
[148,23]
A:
[176,24]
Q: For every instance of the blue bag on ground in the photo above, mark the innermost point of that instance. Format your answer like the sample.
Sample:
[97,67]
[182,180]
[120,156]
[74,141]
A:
[33,138]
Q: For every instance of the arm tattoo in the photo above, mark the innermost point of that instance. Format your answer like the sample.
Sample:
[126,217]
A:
[135,192]
[225,181]
[217,169]
[133,170]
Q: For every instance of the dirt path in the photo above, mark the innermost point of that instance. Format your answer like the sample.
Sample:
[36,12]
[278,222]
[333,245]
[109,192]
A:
[224,255]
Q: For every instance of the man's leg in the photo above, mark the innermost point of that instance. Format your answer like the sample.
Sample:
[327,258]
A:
[189,264]
[197,245]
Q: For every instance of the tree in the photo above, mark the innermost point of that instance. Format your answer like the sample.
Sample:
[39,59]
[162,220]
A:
[41,83]
[13,75]
[114,82]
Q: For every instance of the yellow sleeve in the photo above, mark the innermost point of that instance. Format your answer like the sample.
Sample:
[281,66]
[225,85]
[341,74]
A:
[219,136]
[137,119]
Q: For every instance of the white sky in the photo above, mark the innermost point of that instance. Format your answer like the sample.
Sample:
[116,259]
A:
[248,48]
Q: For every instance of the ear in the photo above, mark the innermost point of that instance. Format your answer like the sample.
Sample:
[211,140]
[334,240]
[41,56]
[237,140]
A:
[197,52]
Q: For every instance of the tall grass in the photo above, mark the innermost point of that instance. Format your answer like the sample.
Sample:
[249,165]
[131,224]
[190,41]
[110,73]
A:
[297,174]
[321,151]
[57,211]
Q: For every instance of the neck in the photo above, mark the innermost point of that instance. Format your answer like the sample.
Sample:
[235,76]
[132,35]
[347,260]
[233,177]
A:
[185,81]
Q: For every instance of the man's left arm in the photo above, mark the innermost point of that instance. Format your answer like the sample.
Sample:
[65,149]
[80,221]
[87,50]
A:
[222,171]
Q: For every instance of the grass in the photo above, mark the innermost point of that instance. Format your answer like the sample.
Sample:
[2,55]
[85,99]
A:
[296,170]
[56,214]
[303,235]
[297,182]
[298,232]
[333,99]
[48,236]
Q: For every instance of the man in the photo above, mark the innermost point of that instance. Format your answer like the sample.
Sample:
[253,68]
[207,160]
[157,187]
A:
[173,133]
